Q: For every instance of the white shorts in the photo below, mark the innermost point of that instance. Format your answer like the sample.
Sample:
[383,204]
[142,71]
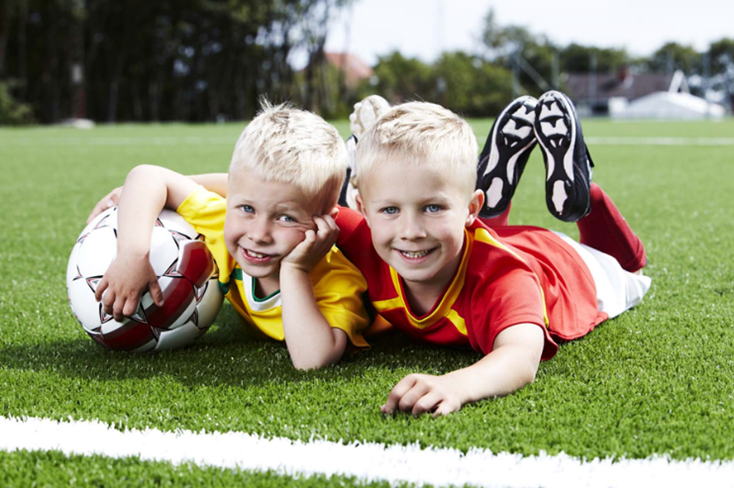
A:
[617,290]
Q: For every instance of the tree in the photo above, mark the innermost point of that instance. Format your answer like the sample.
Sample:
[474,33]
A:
[400,79]
[721,55]
[187,60]
[576,58]
[673,56]
[516,48]
[472,86]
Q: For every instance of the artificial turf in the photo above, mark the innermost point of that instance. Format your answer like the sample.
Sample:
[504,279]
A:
[53,468]
[657,380]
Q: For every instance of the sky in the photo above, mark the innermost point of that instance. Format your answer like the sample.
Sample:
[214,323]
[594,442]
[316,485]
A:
[425,28]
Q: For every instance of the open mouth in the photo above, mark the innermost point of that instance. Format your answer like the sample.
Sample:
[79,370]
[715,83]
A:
[255,257]
[415,256]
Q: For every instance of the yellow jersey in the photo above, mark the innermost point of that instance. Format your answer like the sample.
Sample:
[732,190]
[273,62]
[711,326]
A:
[338,285]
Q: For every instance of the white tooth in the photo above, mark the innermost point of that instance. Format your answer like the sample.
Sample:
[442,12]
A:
[416,254]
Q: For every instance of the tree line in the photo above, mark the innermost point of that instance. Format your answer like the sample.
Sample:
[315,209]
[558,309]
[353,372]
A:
[205,60]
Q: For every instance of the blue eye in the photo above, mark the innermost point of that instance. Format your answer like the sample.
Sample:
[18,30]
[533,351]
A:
[286,218]
[433,208]
[389,210]
[247,208]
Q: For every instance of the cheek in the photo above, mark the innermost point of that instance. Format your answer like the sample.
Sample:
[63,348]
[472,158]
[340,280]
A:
[289,238]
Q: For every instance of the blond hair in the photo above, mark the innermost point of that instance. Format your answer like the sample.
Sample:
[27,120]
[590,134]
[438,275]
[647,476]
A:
[293,146]
[420,133]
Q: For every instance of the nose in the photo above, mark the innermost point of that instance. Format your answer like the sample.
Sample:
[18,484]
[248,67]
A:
[412,228]
[259,231]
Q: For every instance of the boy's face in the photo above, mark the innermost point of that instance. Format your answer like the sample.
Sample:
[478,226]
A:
[265,221]
[417,217]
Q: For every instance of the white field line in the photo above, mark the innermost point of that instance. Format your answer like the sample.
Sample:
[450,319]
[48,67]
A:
[660,141]
[366,461]
[225,140]
[120,141]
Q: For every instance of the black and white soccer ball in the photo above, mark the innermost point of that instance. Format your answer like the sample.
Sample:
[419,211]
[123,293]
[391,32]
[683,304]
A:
[186,272]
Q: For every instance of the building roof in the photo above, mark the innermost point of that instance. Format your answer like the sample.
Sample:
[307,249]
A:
[623,84]
[354,68]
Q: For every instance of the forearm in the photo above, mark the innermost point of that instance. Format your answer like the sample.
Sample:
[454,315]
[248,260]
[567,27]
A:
[216,182]
[501,372]
[311,341]
[142,199]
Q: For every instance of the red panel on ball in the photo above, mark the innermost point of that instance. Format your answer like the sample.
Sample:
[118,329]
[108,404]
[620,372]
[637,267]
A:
[127,337]
[196,263]
[177,297]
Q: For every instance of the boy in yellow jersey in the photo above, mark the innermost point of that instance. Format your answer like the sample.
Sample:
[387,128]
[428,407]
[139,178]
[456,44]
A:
[272,238]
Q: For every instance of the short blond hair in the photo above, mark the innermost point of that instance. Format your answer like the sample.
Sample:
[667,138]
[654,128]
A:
[421,133]
[293,146]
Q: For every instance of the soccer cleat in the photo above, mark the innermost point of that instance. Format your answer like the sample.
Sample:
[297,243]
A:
[567,160]
[364,116]
[505,154]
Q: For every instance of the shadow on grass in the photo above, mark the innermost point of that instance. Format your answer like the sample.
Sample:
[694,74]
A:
[226,355]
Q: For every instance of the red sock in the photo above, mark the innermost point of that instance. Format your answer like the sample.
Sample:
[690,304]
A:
[500,220]
[607,231]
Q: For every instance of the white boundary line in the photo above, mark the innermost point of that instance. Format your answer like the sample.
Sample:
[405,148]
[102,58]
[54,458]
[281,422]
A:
[660,141]
[366,461]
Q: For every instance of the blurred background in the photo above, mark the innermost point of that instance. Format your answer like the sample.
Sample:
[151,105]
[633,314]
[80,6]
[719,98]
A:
[211,60]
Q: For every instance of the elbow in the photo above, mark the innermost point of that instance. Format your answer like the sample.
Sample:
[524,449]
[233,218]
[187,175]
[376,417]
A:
[142,170]
[307,364]
[529,372]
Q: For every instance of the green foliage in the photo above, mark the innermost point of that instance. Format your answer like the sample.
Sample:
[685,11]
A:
[401,78]
[576,58]
[673,56]
[12,112]
[722,55]
[473,87]
[461,82]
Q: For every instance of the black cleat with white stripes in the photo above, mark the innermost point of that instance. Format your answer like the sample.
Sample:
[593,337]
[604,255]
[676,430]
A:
[505,154]
[567,161]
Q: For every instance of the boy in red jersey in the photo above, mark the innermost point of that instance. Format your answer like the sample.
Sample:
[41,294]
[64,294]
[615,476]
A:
[442,275]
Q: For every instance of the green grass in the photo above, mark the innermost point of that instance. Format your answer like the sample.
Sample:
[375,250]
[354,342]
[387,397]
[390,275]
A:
[657,379]
[23,468]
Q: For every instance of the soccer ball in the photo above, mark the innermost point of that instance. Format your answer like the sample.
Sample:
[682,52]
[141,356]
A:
[186,273]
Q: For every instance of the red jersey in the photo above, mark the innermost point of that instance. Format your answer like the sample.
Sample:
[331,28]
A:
[507,276]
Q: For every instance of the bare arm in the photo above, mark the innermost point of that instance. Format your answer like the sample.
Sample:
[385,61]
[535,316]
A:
[216,182]
[312,342]
[147,190]
[511,365]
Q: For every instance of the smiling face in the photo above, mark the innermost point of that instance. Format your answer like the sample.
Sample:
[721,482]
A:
[417,216]
[265,221]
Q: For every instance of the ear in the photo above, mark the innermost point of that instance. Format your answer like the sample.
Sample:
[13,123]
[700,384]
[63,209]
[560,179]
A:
[475,206]
[361,208]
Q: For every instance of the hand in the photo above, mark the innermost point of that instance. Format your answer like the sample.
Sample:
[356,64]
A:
[315,245]
[124,282]
[423,393]
[108,201]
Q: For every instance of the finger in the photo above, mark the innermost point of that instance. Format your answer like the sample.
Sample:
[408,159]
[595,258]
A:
[156,293]
[445,408]
[130,306]
[101,287]
[426,403]
[117,309]
[411,397]
[396,394]
[309,238]
[108,300]
[102,205]
[331,223]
